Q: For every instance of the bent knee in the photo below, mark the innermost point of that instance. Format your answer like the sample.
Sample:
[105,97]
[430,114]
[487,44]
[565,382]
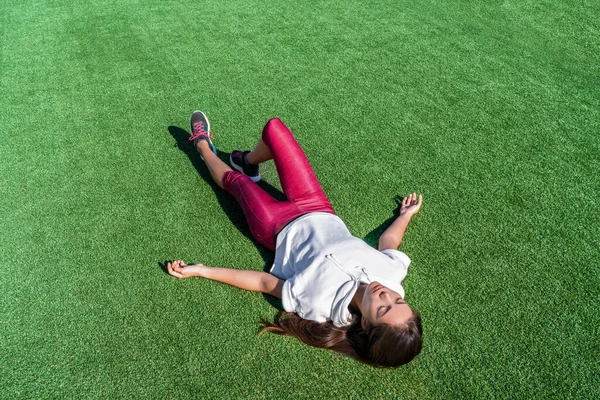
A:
[274,127]
[273,121]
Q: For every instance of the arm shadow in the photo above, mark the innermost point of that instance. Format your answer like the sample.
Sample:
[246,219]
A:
[372,237]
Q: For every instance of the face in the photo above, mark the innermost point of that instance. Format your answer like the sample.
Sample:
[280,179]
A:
[381,305]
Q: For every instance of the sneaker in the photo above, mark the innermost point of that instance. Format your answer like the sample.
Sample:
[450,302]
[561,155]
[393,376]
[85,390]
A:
[238,161]
[200,128]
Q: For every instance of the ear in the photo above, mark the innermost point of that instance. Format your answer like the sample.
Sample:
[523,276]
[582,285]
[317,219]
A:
[364,324]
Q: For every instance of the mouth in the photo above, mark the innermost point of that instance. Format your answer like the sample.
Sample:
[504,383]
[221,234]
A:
[377,288]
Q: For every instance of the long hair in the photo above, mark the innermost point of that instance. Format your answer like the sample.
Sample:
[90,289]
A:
[380,345]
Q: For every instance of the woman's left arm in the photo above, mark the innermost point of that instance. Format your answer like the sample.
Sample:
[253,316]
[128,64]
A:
[244,279]
[393,235]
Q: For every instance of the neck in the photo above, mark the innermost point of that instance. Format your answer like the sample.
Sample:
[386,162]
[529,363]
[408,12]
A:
[358,296]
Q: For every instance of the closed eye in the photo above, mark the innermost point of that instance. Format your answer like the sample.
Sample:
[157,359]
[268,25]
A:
[381,311]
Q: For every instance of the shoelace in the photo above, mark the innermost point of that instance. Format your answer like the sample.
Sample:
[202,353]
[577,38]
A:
[200,132]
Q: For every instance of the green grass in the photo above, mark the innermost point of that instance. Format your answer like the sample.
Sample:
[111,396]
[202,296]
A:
[490,109]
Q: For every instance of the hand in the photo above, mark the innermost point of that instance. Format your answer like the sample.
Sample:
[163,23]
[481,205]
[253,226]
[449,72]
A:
[410,206]
[181,270]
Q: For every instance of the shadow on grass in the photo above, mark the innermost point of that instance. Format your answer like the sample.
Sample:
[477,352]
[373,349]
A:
[226,201]
[372,237]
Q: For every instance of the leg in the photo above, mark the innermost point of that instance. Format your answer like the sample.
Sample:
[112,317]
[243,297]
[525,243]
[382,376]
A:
[265,215]
[216,167]
[259,154]
[298,180]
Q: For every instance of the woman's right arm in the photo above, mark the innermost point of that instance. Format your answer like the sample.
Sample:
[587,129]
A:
[244,279]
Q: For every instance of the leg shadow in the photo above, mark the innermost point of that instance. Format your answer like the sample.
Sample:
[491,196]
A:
[226,201]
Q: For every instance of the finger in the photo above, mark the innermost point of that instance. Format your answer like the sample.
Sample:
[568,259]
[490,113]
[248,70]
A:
[172,272]
[420,199]
[171,266]
[177,266]
[177,275]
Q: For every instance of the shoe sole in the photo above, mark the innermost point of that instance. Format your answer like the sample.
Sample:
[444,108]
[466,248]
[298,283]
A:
[239,169]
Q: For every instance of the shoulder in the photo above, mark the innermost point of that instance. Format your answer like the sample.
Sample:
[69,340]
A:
[397,256]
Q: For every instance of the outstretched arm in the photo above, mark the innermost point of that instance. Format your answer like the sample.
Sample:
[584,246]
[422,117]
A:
[392,237]
[243,279]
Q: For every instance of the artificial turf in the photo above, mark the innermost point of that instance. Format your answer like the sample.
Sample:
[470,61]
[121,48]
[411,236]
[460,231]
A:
[490,109]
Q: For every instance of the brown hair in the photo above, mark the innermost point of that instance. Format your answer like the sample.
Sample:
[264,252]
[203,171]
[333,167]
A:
[380,345]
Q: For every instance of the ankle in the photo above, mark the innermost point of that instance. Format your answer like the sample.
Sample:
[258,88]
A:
[250,159]
[202,146]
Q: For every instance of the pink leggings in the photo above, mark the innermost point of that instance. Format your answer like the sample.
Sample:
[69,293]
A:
[266,215]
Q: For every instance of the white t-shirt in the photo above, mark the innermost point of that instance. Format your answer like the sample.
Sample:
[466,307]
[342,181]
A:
[323,265]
